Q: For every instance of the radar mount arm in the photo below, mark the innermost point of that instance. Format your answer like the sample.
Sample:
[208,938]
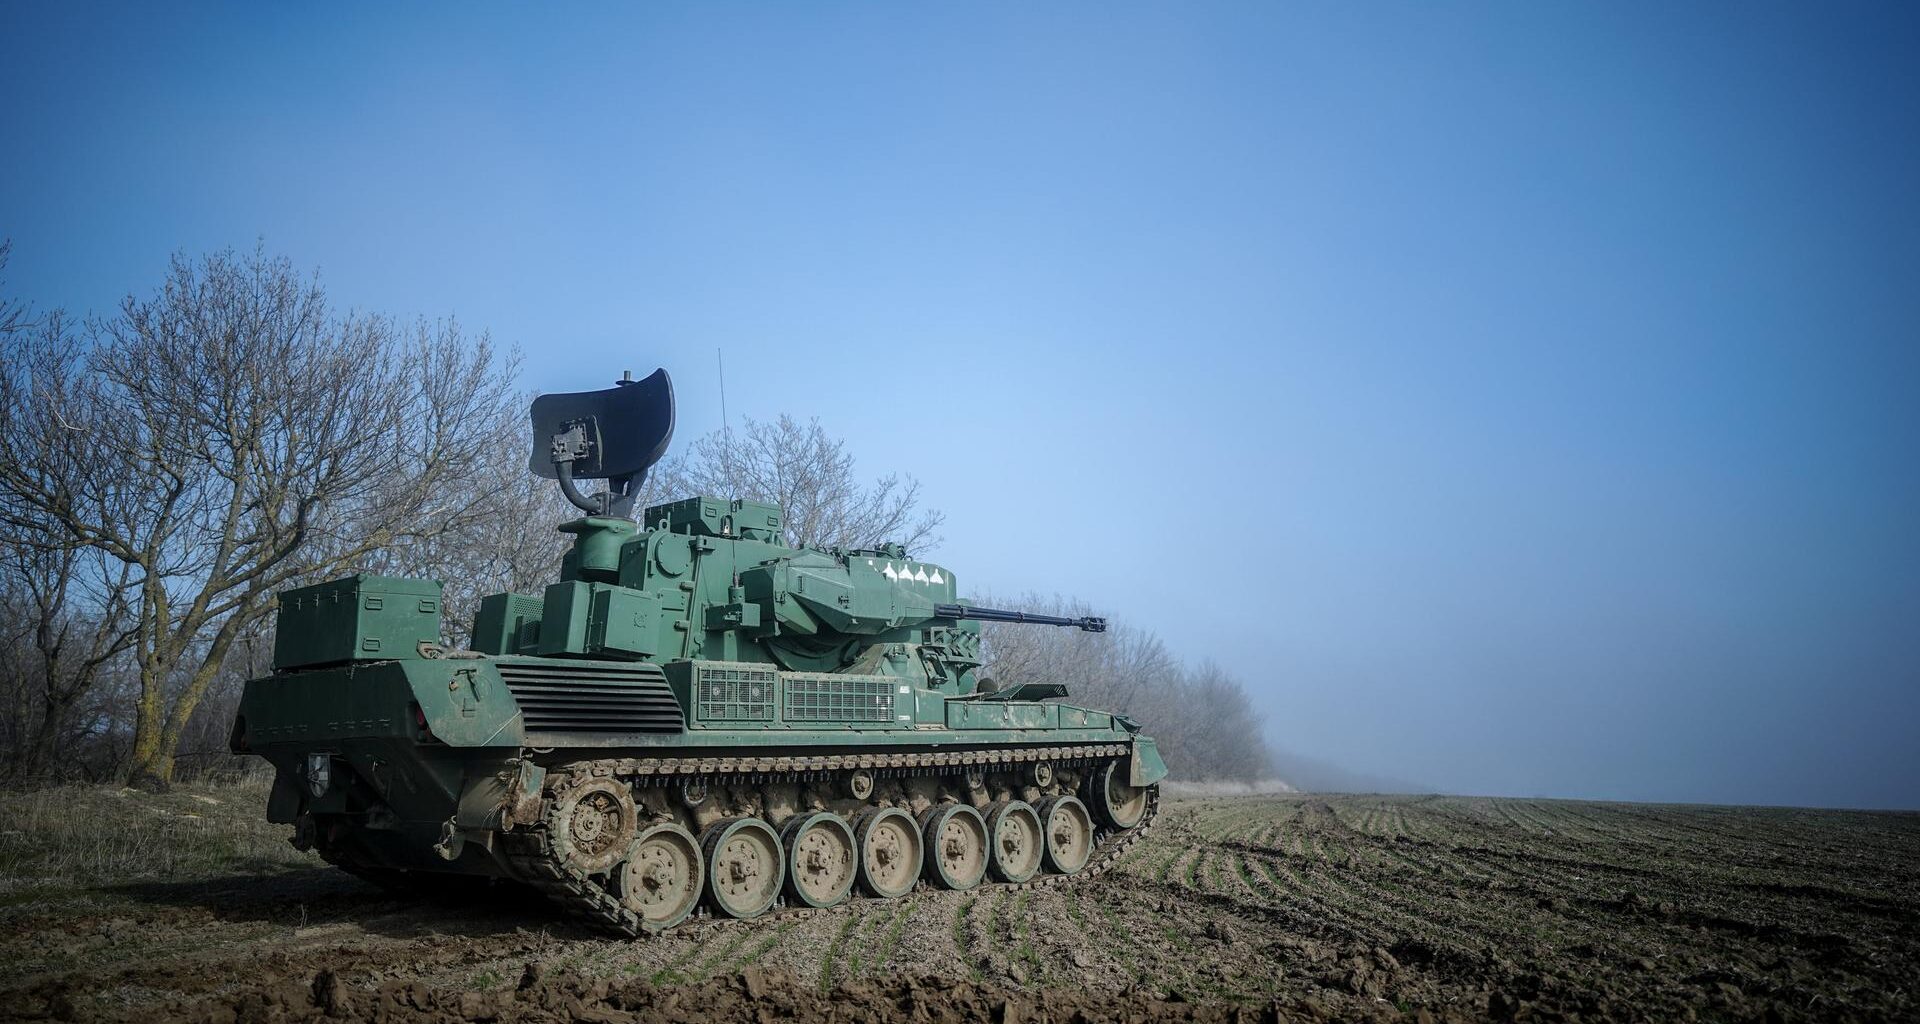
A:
[573,444]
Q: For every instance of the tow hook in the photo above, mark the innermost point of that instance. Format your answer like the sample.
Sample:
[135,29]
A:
[451,843]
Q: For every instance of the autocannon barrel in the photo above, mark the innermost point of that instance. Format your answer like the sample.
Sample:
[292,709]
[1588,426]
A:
[1090,623]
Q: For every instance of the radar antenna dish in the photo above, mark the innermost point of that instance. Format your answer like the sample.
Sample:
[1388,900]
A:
[614,435]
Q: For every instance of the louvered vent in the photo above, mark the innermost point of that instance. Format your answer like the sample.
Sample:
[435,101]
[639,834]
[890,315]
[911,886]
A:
[577,696]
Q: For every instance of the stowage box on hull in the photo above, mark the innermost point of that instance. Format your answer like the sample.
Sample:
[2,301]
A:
[359,618]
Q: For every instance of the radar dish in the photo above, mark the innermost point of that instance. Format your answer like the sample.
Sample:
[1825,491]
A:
[627,429]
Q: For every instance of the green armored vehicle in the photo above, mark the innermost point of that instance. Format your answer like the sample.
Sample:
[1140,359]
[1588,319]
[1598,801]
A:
[696,713]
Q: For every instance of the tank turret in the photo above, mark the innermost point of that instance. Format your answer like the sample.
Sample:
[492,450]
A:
[707,577]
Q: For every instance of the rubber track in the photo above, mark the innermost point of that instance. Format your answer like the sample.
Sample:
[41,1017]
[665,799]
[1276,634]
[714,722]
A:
[580,897]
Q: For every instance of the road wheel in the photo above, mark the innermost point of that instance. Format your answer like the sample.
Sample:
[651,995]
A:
[1069,834]
[591,824]
[1120,804]
[1015,830]
[889,843]
[821,862]
[662,877]
[744,866]
[956,839]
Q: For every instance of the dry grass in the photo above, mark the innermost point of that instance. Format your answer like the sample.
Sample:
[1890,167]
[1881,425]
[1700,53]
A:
[55,841]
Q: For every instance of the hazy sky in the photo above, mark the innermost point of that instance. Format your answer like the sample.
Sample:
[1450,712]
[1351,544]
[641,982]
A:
[1521,398]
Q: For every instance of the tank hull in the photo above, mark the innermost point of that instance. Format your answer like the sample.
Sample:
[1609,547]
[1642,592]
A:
[472,766]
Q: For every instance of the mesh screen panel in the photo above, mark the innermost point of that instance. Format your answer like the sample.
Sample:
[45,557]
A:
[734,693]
[835,699]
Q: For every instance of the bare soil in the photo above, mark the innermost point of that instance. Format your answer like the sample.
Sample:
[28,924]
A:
[1283,907]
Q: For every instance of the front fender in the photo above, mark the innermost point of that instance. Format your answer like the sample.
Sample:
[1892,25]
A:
[1147,767]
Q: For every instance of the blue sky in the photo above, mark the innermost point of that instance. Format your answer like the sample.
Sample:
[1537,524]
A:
[1521,398]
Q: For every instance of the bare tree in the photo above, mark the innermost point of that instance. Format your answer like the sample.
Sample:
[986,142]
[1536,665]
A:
[69,623]
[68,611]
[508,542]
[230,436]
[1124,668]
[810,475]
[14,314]
[1226,742]
[164,471]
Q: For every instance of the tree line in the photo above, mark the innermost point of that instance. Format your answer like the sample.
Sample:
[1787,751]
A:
[167,467]
[1203,718]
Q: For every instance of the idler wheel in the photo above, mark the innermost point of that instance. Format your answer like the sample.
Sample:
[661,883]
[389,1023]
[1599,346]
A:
[1016,844]
[744,866]
[1068,830]
[956,839]
[890,851]
[662,876]
[1120,804]
[591,824]
[821,862]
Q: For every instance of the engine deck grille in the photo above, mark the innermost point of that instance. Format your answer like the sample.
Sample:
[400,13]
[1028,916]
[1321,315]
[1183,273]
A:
[731,692]
[825,698]
[572,696]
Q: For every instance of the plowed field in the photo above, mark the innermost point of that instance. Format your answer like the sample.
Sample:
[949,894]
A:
[1294,907]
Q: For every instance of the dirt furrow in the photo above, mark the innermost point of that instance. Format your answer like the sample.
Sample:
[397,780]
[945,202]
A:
[1294,906]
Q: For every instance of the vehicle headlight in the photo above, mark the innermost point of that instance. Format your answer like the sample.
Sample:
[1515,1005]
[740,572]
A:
[319,773]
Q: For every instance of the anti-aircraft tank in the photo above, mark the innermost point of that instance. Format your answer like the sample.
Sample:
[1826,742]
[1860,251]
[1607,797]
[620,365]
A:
[695,714]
